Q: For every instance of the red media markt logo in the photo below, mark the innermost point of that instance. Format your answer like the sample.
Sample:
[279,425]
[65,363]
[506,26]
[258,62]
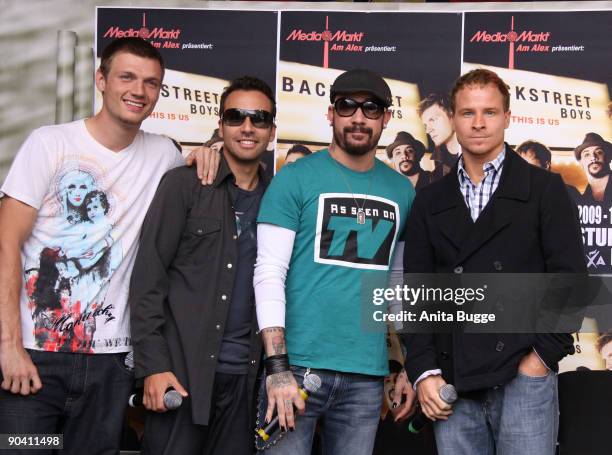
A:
[143,32]
[511,37]
[326,36]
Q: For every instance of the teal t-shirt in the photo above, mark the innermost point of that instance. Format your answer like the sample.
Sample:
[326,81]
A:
[318,198]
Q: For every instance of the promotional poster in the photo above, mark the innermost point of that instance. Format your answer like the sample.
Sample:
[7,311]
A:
[559,73]
[201,57]
[558,67]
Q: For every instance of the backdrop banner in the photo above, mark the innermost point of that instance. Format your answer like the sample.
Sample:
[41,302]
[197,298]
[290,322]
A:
[557,64]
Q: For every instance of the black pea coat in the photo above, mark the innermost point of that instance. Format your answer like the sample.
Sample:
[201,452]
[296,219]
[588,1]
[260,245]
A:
[530,225]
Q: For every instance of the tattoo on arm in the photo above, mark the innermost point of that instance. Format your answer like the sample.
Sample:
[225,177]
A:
[278,344]
[274,340]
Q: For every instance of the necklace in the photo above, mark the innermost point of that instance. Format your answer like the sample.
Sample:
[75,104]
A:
[361,216]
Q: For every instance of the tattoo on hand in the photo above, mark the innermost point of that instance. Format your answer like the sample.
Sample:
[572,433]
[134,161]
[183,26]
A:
[279,379]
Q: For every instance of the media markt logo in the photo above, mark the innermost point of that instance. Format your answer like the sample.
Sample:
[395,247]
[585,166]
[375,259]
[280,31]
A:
[527,41]
[341,40]
[145,33]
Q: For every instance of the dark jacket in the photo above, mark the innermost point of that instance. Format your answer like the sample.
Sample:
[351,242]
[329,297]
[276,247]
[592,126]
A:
[444,161]
[425,178]
[182,284]
[587,196]
[530,225]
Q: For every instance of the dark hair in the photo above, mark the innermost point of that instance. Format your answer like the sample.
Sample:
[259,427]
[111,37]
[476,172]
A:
[541,151]
[299,148]
[214,138]
[136,46]
[434,98]
[604,339]
[88,198]
[481,77]
[248,83]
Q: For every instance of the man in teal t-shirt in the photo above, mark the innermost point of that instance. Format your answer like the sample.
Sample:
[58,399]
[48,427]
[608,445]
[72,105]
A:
[329,224]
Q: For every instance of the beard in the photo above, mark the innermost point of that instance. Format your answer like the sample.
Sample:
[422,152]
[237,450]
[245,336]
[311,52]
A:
[413,169]
[599,170]
[342,139]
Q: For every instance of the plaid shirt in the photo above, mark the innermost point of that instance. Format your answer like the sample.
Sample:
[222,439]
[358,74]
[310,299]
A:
[477,196]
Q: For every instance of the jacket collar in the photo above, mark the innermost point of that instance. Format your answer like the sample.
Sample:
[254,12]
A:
[513,184]
[454,220]
[225,172]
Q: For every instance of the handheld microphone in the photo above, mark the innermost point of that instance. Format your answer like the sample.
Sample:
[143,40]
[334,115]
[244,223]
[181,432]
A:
[172,399]
[312,383]
[448,394]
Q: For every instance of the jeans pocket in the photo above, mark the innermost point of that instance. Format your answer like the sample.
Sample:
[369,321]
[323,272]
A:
[119,361]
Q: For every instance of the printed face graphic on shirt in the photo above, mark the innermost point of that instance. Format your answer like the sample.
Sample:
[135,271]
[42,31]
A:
[342,240]
[96,205]
[77,184]
[67,286]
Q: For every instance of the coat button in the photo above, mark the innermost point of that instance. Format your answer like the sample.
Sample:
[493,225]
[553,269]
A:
[234,237]
[212,356]
[218,327]
[229,266]
[500,346]
[200,231]
[253,362]
[223,297]
[498,265]
[444,355]
[458,269]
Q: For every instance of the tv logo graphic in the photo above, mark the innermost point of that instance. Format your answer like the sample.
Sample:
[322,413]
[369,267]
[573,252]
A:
[341,240]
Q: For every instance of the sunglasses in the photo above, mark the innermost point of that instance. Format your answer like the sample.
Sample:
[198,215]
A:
[345,107]
[236,117]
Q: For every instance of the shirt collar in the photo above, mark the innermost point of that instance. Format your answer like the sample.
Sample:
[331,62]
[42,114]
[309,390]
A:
[486,167]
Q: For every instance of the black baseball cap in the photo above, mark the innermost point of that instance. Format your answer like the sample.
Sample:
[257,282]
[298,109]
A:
[361,80]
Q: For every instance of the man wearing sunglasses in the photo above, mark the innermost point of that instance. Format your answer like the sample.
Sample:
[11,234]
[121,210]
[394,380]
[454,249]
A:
[191,294]
[328,222]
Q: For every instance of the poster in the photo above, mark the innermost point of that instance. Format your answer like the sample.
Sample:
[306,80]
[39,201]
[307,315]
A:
[201,57]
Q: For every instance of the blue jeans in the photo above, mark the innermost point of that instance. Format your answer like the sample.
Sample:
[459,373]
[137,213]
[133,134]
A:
[519,418]
[84,396]
[347,407]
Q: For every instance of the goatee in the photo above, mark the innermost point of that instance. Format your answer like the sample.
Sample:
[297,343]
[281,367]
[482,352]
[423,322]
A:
[343,141]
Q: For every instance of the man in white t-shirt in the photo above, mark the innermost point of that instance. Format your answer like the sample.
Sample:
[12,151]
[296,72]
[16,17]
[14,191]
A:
[70,216]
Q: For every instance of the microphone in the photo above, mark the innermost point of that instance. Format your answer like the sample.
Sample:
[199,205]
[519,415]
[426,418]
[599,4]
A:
[172,399]
[448,394]
[312,383]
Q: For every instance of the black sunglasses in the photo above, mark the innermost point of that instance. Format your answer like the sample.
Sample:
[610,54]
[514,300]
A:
[345,107]
[236,117]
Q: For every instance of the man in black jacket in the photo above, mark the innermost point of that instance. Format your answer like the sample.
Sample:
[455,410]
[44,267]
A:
[191,293]
[493,213]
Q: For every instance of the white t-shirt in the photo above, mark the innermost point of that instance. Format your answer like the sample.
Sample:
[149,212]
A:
[78,259]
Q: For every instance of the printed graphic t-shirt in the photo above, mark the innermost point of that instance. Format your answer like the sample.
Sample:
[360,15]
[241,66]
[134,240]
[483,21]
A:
[77,262]
[334,257]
